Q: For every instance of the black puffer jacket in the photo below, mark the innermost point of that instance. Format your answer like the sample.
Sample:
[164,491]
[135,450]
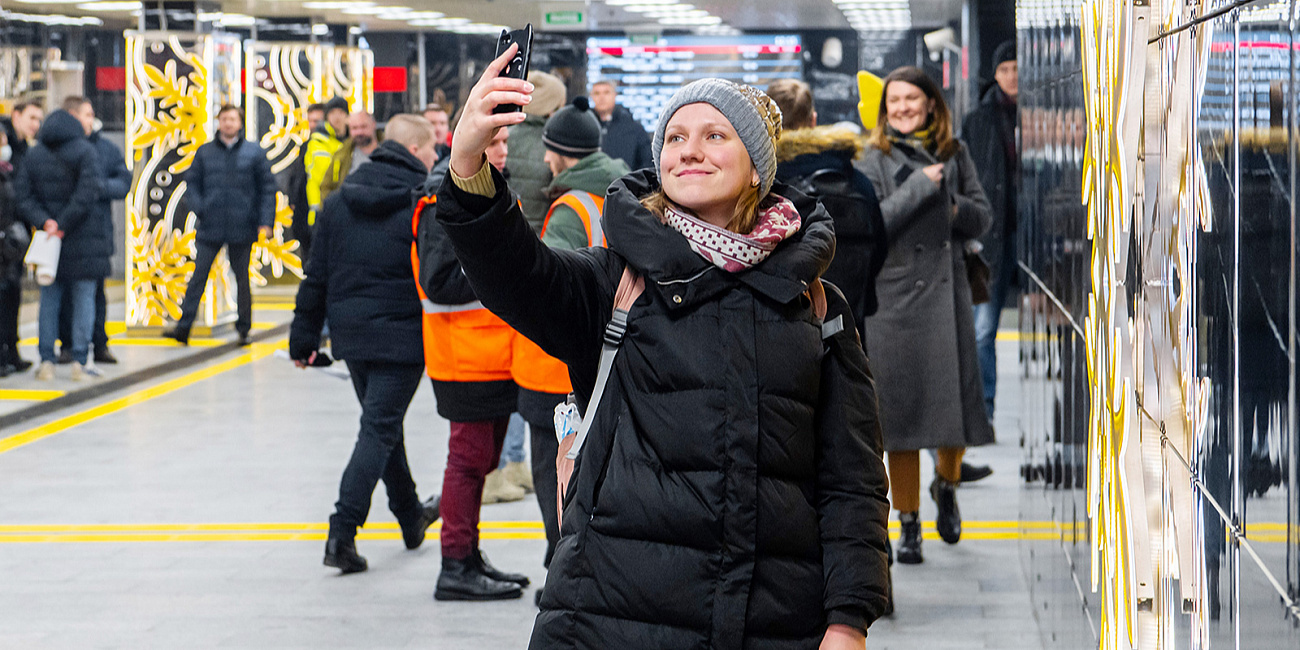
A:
[115,182]
[731,494]
[231,191]
[360,268]
[60,180]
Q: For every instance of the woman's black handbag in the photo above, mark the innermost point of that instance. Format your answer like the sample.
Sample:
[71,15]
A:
[14,241]
[980,276]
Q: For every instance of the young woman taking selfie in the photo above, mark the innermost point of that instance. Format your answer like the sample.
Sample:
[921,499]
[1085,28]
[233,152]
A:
[731,493]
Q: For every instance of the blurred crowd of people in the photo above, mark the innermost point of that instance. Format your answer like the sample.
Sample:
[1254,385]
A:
[756,314]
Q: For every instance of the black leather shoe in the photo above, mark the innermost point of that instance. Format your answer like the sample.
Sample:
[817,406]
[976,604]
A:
[413,531]
[948,523]
[341,553]
[909,542]
[19,364]
[492,572]
[105,355]
[181,337]
[462,580]
[65,357]
[971,473]
[243,339]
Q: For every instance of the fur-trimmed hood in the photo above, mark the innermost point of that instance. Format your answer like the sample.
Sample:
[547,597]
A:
[819,139]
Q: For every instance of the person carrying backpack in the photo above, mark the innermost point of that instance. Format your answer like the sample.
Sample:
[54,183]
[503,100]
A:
[818,161]
[730,493]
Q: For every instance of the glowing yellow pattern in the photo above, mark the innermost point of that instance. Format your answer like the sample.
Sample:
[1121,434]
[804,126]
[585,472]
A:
[1142,100]
[174,85]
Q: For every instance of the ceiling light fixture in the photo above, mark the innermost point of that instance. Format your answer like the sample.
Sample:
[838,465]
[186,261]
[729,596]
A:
[111,5]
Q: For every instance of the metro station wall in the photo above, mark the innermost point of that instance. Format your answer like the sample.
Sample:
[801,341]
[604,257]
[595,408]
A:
[1158,324]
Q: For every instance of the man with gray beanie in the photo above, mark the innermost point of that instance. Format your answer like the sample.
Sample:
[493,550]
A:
[529,174]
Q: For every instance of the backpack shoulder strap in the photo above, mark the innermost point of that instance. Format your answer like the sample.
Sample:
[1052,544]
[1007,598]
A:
[630,287]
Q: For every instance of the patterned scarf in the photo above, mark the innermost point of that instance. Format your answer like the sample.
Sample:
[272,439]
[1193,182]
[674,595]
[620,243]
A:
[922,138]
[734,252]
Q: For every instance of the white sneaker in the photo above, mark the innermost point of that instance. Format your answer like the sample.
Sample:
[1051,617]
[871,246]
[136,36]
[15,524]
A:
[45,372]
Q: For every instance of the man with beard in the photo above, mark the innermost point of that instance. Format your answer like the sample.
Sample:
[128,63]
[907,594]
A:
[362,141]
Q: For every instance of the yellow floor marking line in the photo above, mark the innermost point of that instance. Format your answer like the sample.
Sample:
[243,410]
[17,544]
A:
[258,351]
[979,531]
[30,395]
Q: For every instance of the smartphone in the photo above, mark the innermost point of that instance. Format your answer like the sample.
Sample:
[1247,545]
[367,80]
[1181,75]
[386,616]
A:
[518,66]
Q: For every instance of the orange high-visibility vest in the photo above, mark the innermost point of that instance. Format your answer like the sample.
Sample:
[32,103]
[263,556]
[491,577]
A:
[531,367]
[462,343]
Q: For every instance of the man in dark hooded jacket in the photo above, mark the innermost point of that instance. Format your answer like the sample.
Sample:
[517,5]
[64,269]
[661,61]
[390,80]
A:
[990,133]
[232,192]
[622,136]
[57,187]
[115,185]
[360,277]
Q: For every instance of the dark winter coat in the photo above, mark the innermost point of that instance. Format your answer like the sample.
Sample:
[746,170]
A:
[359,274]
[728,495]
[989,132]
[60,179]
[860,242]
[114,186]
[231,191]
[922,339]
[624,138]
[14,237]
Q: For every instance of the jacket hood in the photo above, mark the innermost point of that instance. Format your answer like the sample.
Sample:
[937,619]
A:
[592,174]
[59,129]
[820,139]
[389,182]
[664,257]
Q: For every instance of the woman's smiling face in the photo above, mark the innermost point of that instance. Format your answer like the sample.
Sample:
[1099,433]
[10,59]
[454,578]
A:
[704,167]
[906,106]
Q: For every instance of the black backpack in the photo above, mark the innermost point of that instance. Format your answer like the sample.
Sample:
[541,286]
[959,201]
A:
[860,240]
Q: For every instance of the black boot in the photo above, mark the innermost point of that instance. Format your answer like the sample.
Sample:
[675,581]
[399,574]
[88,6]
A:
[20,364]
[413,530]
[462,580]
[971,473]
[181,336]
[341,552]
[909,543]
[492,572]
[948,523]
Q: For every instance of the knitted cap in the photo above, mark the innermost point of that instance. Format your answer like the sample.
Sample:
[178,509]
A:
[1005,52]
[337,103]
[573,130]
[753,114]
[548,94]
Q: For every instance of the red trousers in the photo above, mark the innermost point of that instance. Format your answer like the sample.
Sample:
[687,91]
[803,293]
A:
[473,451]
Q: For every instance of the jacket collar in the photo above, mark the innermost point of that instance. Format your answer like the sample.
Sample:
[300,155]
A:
[664,257]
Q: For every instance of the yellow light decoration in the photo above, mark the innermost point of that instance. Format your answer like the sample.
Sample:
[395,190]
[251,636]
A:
[174,84]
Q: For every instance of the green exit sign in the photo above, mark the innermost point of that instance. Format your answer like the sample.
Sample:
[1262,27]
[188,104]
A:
[564,19]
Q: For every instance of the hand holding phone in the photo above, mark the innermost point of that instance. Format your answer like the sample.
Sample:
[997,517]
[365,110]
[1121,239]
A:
[479,120]
[517,67]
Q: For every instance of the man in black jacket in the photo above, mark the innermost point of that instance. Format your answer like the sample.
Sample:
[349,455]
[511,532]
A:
[621,135]
[360,277]
[990,134]
[231,191]
[57,188]
[114,185]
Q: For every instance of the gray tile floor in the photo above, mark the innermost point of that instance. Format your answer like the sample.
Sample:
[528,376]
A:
[92,554]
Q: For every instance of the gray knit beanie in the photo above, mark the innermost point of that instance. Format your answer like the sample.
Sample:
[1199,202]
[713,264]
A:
[753,114]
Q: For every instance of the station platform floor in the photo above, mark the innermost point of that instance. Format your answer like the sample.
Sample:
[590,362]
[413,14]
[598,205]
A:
[189,509]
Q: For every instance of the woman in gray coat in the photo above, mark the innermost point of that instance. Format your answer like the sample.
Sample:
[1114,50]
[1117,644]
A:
[922,339]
